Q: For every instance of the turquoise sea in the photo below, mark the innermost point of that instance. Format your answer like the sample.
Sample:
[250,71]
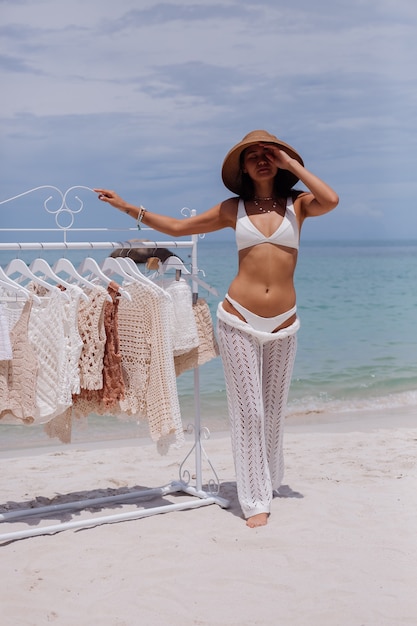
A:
[357,346]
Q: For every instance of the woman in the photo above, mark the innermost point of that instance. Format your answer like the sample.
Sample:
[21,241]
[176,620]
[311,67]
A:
[257,320]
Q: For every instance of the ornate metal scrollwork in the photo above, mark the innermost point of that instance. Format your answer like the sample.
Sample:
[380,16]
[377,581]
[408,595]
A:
[213,484]
[64,209]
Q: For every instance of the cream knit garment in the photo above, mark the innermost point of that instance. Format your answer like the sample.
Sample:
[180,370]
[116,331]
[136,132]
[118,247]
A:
[148,363]
[207,348]
[60,424]
[183,325]
[93,335]
[48,339]
[5,344]
[74,342]
[18,376]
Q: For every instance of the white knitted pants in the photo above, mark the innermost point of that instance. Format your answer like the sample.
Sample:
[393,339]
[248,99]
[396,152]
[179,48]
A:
[258,376]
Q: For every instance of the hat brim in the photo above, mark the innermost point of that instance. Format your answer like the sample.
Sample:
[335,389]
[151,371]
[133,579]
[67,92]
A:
[231,169]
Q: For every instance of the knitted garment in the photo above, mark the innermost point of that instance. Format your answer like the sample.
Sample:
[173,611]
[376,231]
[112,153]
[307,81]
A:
[106,399]
[60,427]
[49,341]
[12,312]
[18,376]
[113,383]
[6,353]
[258,376]
[93,335]
[207,348]
[148,363]
[183,325]
[74,342]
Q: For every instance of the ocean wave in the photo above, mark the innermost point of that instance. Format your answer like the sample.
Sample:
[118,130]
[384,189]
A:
[311,404]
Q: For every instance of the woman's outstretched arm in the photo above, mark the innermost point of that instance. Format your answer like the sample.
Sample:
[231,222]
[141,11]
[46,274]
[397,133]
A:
[218,217]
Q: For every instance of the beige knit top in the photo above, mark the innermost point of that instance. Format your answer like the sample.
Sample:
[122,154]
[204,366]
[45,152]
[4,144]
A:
[148,363]
[93,335]
[18,376]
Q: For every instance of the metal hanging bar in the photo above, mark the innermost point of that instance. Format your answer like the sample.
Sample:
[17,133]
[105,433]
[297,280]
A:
[90,245]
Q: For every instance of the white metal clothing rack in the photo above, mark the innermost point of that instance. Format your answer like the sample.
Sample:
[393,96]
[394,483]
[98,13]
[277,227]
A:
[201,496]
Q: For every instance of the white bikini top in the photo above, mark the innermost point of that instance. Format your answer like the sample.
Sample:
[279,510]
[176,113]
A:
[287,233]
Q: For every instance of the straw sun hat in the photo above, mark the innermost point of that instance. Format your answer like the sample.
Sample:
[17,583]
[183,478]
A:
[232,172]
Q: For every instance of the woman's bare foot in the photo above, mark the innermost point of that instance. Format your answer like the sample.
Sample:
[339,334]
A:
[261,519]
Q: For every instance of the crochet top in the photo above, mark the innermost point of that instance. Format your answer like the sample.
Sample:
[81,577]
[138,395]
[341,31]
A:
[5,344]
[18,375]
[93,335]
[74,342]
[148,363]
[183,325]
[48,338]
[105,398]
[207,348]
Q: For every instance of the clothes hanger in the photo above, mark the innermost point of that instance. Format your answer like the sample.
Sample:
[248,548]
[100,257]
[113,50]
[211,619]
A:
[18,266]
[64,265]
[91,266]
[174,262]
[10,284]
[112,265]
[132,269]
[42,266]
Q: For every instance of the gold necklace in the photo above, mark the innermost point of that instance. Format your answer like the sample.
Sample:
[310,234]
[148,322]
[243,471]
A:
[260,208]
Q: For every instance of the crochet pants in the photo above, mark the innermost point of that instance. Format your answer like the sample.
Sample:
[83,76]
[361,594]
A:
[258,376]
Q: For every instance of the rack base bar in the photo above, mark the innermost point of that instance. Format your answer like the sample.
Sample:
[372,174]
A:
[203,499]
[89,503]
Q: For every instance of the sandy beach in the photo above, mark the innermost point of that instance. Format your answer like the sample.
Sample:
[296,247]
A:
[340,548]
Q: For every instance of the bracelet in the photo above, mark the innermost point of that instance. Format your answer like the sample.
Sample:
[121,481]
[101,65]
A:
[141,213]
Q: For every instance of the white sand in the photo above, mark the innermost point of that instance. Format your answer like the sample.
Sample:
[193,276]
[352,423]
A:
[340,548]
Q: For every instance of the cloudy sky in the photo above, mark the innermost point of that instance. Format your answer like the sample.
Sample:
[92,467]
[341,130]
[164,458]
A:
[147,97]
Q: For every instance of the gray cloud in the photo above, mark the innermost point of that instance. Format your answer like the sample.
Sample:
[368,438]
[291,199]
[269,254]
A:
[148,100]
